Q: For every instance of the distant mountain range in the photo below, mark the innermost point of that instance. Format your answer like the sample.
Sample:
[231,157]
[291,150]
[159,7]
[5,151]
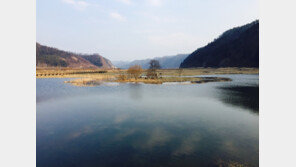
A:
[237,47]
[52,57]
[166,62]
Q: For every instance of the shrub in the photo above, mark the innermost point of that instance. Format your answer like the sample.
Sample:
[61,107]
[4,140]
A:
[135,71]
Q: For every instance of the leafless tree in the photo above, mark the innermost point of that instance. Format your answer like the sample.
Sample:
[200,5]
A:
[135,71]
[152,71]
[154,64]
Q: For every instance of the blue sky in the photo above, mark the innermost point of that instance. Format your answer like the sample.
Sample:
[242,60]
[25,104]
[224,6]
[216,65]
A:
[138,29]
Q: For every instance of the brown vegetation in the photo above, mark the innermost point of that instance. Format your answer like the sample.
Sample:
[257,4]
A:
[97,76]
[117,73]
[135,71]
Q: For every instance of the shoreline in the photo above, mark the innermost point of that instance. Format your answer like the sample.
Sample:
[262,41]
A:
[113,73]
[95,77]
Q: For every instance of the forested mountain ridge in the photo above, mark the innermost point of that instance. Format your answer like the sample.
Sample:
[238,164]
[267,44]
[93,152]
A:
[237,47]
[52,57]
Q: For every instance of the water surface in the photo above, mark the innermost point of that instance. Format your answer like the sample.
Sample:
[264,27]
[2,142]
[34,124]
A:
[134,125]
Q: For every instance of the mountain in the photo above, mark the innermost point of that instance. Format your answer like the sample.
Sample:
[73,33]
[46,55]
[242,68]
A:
[237,47]
[52,57]
[98,60]
[166,62]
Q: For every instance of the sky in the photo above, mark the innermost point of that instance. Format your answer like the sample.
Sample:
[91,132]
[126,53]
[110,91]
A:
[138,29]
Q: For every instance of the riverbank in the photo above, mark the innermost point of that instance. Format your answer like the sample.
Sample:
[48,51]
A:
[113,73]
[94,77]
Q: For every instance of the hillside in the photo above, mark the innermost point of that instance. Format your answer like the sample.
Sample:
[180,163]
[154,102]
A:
[52,57]
[237,47]
[98,60]
[166,62]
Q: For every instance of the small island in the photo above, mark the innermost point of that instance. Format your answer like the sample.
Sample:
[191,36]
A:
[178,80]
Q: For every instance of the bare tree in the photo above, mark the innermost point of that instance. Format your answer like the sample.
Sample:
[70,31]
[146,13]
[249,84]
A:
[154,64]
[135,71]
[152,71]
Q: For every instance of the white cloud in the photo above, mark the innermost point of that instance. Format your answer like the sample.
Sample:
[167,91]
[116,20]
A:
[117,16]
[155,2]
[125,1]
[80,5]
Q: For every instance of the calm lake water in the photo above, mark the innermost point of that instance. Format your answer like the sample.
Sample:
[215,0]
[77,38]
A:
[139,125]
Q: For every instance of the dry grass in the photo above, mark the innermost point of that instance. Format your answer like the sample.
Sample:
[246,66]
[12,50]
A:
[86,81]
[94,73]
[73,73]
[209,71]
[91,77]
